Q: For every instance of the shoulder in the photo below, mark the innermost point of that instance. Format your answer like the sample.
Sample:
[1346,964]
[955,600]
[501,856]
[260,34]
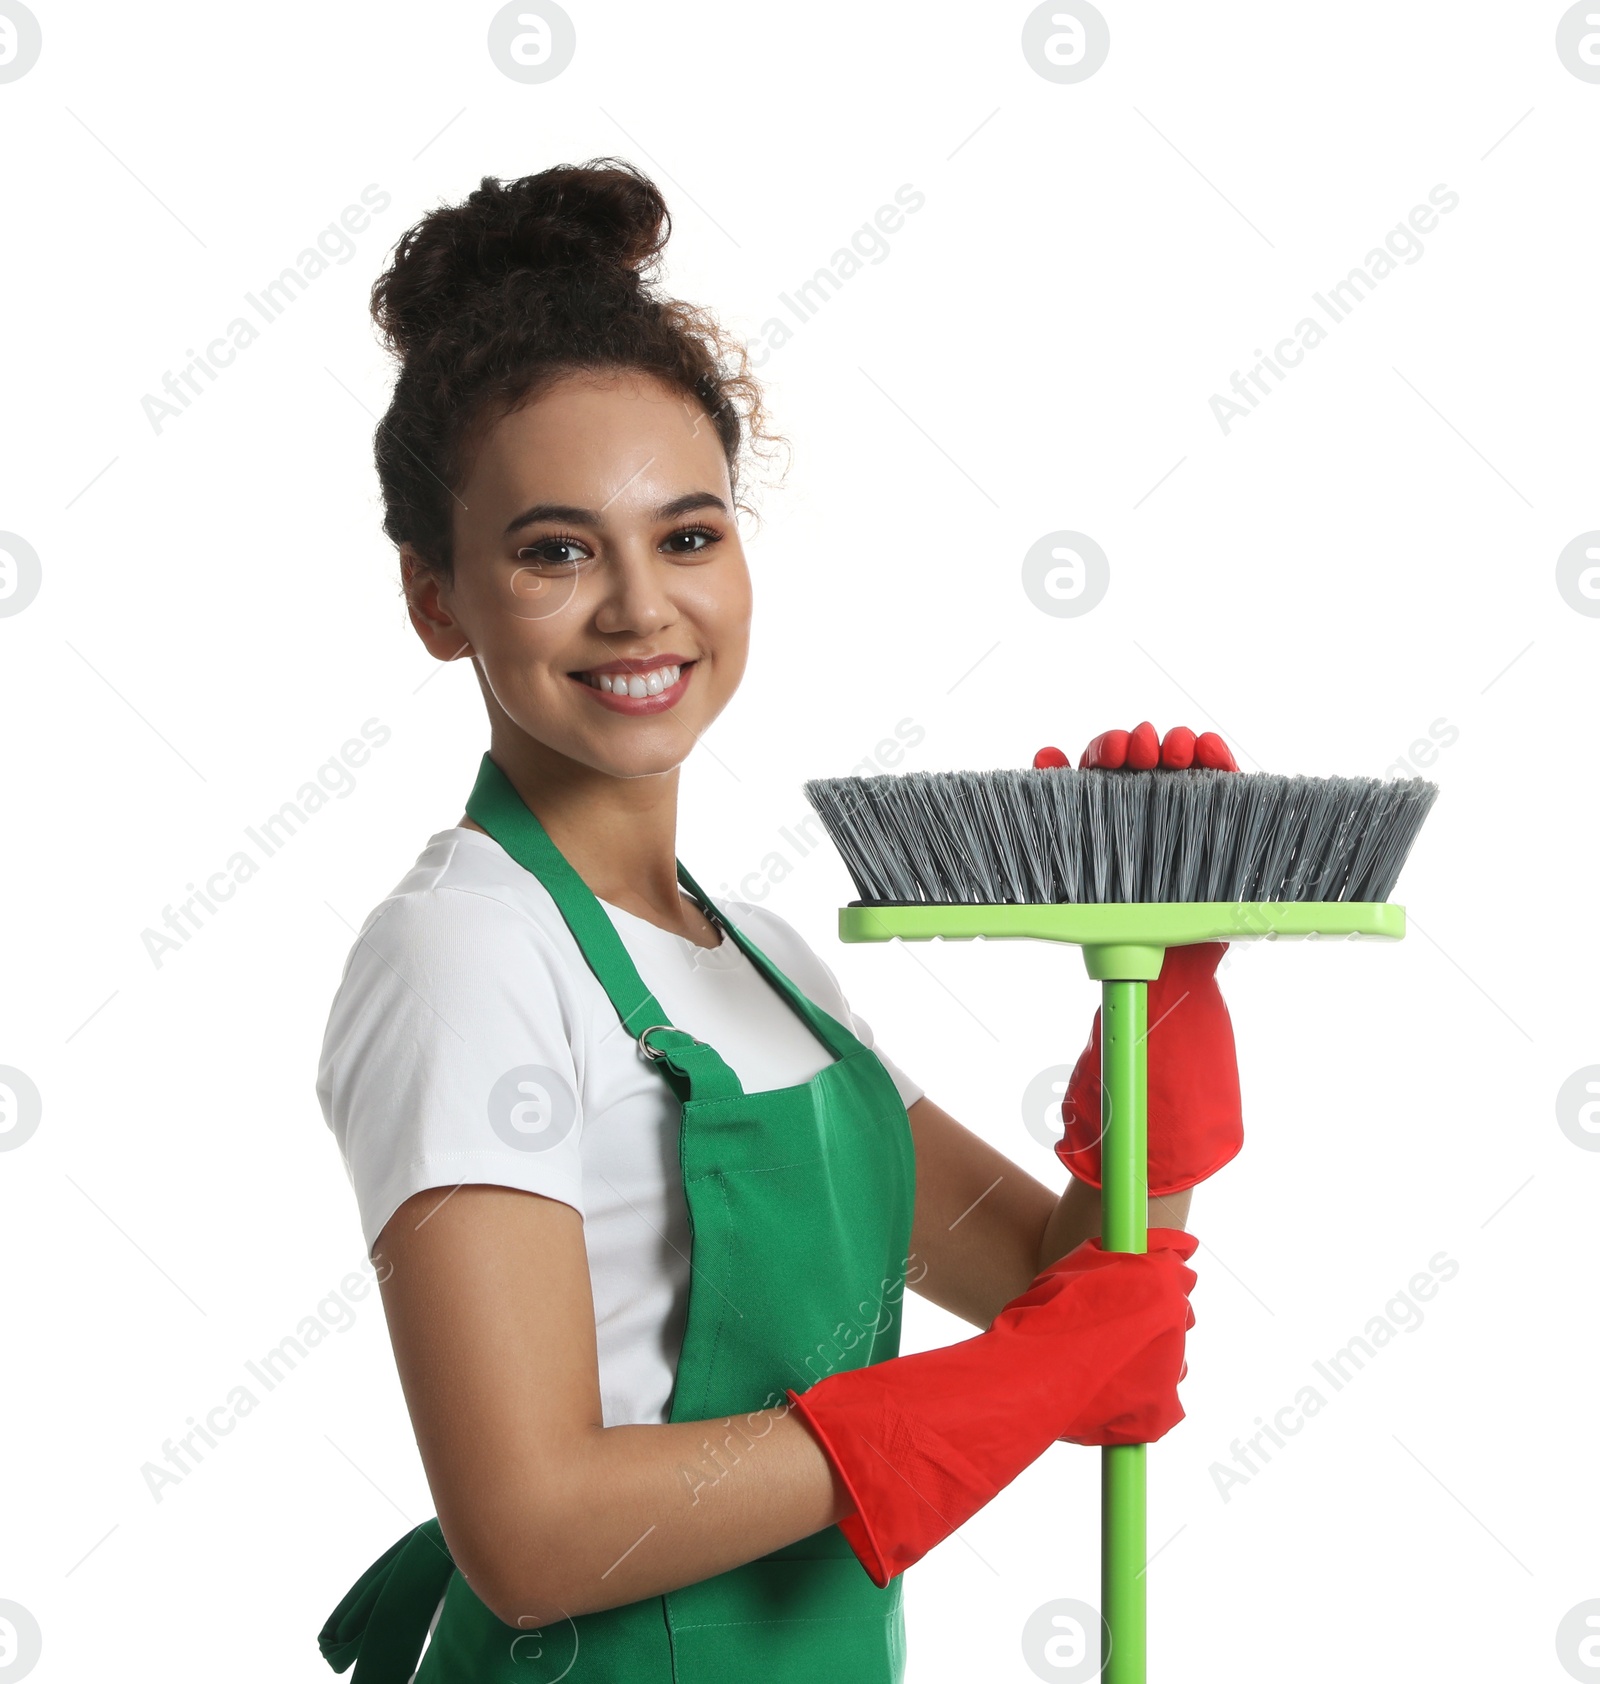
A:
[457,1041]
[465,927]
[458,980]
[464,891]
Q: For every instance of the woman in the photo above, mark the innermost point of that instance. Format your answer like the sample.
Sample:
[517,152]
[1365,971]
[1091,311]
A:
[642,1196]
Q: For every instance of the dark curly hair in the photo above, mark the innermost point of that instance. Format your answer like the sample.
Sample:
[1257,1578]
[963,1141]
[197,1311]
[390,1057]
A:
[487,303]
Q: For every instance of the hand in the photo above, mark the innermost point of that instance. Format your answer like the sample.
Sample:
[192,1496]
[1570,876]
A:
[1139,750]
[1092,1353]
[1193,1117]
[1139,1403]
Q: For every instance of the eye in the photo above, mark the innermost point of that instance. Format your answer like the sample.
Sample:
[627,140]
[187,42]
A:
[545,554]
[709,533]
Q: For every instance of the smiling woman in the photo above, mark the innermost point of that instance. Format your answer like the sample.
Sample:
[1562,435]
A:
[644,575]
[629,1164]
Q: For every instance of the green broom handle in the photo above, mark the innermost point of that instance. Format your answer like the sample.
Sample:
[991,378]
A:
[1122,943]
[1124,1178]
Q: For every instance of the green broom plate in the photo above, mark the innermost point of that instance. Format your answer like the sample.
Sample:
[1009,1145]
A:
[1124,939]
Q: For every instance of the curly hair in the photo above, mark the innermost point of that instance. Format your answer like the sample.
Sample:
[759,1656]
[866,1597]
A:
[487,303]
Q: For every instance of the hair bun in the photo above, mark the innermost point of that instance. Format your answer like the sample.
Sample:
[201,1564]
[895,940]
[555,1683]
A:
[604,215]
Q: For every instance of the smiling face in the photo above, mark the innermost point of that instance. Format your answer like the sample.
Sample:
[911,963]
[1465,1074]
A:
[600,584]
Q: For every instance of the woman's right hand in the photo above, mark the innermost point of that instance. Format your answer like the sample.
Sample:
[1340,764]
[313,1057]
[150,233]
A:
[1092,1352]
[1144,1300]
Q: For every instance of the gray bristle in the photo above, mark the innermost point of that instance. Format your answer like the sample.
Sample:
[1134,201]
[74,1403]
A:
[1062,835]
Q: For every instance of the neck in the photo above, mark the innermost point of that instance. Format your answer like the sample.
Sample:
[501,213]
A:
[618,834]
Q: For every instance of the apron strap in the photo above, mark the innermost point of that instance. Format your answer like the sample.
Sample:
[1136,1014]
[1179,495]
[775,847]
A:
[693,1069]
[383,1620]
[827,1029]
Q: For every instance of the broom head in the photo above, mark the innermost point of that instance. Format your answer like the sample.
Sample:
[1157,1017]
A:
[1060,835]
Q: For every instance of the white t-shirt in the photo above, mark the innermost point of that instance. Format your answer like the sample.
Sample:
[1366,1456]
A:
[466,976]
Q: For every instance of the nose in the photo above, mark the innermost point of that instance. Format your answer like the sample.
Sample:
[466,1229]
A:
[636,600]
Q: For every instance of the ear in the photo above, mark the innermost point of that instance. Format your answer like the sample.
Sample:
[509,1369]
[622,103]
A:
[428,606]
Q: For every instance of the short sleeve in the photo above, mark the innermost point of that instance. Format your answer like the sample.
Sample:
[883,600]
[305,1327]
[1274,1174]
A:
[801,963]
[449,1056]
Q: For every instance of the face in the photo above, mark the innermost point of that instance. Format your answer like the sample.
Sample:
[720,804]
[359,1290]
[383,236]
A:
[600,585]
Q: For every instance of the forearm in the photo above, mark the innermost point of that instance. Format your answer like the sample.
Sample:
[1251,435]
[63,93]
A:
[638,1510]
[1078,1214]
[984,1228]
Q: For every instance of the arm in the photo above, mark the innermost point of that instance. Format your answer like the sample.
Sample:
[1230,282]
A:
[982,1228]
[1077,1216]
[547,1513]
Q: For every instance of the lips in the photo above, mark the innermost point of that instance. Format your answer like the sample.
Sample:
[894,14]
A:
[627,677]
[635,681]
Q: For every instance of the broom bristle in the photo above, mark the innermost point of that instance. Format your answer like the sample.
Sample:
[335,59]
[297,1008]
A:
[1058,834]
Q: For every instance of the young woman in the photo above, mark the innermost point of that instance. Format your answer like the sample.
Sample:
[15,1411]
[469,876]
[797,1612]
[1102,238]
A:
[642,1195]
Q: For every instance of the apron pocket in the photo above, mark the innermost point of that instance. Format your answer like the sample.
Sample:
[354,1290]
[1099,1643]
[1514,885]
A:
[793,1621]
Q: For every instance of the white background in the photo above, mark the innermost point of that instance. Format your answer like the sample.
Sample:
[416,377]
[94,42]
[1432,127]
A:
[1371,551]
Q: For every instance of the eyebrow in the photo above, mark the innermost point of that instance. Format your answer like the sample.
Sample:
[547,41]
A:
[592,517]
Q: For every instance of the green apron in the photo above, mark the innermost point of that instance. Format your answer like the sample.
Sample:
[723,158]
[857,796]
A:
[799,1204]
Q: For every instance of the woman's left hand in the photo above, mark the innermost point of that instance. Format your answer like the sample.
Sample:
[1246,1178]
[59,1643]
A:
[1193,1120]
[1193,1112]
[1141,750]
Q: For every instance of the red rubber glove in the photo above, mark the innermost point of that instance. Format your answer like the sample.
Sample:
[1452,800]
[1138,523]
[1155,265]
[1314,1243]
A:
[1139,750]
[1194,1119]
[1091,1352]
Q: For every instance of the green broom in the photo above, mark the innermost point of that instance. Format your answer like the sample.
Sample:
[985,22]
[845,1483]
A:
[1123,864]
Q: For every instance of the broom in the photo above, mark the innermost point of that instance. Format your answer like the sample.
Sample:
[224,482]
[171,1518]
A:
[1123,864]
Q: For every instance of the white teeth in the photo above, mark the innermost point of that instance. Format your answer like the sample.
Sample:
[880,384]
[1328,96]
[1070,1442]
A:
[624,684]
